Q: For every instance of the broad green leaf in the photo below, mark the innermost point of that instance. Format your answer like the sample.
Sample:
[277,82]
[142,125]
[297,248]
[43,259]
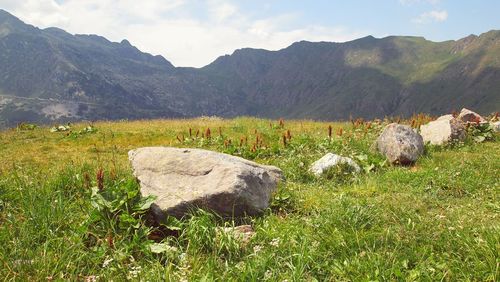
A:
[158,248]
[98,201]
[172,223]
[144,203]
[479,138]
[362,157]
[127,220]
[369,168]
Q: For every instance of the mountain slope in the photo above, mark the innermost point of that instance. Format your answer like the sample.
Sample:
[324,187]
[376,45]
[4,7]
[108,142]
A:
[369,77]
[49,75]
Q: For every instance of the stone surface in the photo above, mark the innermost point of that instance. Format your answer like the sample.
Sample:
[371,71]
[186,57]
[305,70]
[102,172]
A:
[242,233]
[183,179]
[400,144]
[496,126]
[446,117]
[330,160]
[469,116]
[442,131]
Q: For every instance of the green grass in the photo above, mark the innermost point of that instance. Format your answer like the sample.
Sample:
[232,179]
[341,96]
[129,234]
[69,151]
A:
[435,221]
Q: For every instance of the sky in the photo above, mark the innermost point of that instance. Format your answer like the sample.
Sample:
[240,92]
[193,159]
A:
[193,33]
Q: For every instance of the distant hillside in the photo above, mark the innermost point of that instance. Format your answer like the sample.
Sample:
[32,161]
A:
[50,75]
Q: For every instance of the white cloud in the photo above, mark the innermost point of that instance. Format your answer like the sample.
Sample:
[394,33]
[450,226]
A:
[221,10]
[431,16]
[186,32]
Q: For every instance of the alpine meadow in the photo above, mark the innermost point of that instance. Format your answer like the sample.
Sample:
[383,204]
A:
[369,159]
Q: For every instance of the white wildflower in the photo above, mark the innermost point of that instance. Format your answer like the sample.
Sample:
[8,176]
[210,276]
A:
[107,262]
[240,265]
[134,272]
[183,257]
[267,275]
[315,244]
[90,278]
[275,242]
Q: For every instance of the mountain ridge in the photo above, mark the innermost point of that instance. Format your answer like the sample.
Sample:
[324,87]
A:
[49,75]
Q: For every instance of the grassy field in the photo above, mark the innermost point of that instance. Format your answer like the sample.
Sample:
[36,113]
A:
[435,221]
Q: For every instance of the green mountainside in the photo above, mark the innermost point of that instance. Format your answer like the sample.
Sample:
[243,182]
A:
[49,75]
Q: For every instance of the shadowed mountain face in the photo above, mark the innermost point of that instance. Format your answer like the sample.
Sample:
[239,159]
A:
[48,75]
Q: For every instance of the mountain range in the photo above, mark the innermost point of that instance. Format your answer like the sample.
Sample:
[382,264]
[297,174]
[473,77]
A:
[49,75]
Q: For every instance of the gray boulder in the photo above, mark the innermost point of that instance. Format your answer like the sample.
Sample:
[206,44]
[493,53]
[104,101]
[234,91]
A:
[330,160]
[183,179]
[442,131]
[400,144]
[469,116]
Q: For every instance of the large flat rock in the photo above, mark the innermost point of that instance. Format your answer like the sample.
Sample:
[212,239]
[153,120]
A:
[184,179]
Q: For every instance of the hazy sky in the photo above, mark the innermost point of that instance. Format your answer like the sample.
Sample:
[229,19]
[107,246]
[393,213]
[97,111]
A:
[195,32]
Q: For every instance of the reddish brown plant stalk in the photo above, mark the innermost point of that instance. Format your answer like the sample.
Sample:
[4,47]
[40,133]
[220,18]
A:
[282,123]
[112,174]
[254,148]
[109,239]
[100,179]
[86,180]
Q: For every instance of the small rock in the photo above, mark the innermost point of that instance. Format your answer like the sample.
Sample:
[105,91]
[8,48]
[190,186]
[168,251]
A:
[183,179]
[442,131]
[496,126]
[242,233]
[469,116]
[330,160]
[400,144]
